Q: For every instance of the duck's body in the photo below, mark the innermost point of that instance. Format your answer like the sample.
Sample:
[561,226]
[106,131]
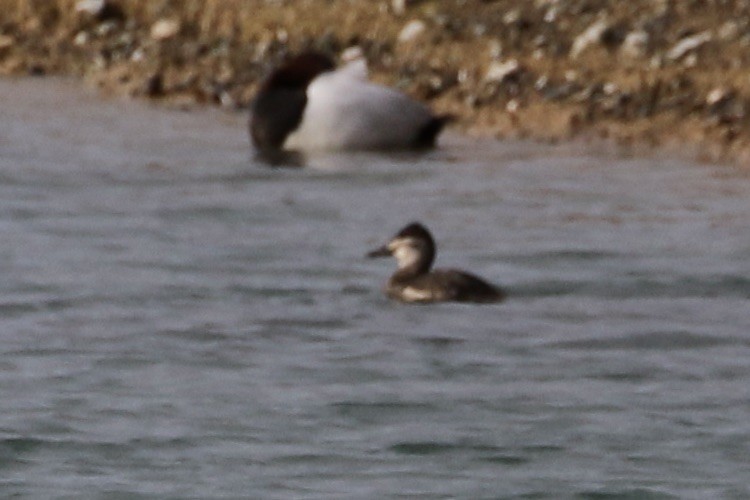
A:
[414,250]
[442,285]
[306,105]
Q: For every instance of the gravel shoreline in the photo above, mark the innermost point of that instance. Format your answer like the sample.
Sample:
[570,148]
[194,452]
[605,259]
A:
[667,74]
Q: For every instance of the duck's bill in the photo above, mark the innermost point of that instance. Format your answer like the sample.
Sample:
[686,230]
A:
[379,252]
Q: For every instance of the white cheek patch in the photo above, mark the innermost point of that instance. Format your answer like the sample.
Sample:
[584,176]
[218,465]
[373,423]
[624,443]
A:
[405,251]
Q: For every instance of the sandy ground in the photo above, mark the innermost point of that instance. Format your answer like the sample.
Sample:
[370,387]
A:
[670,74]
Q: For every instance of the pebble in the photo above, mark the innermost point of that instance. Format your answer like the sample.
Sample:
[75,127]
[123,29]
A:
[399,7]
[463,76]
[512,16]
[81,38]
[138,55]
[718,95]
[724,106]
[541,83]
[92,7]
[591,35]
[164,29]
[551,15]
[728,31]
[610,88]
[353,53]
[691,60]
[635,44]
[6,41]
[105,29]
[687,45]
[498,72]
[100,9]
[479,29]
[495,48]
[411,30]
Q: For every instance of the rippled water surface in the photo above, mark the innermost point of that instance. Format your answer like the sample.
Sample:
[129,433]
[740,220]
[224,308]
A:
[179,321]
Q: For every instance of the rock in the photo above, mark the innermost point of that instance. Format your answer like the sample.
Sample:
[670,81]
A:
[92,7]
[688,44]
[718,96]
[512,16]
[728,31]
[436,83]
[499,72]
[105,29]
[138,55]
[656,62]
[495,48]
[551,15]
[635,44]
[353,53]
[691,60]
[81,38]
[479,29]
[724,106]
[164,29]
[398,7]
[592,34]
[411,30]
[610,88]
[100,9]
[463,77]
[6,41]
[541,83]
[552,92]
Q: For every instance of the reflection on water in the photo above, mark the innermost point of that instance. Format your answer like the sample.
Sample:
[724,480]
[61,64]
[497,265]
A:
[179,320]
[279,159]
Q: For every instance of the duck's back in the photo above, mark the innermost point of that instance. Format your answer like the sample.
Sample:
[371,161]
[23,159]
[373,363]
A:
[345,111]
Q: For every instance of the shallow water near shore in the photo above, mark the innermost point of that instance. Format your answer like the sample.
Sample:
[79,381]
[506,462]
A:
[179,321]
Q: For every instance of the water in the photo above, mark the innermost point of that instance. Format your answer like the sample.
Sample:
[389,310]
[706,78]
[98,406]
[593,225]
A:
[180,322]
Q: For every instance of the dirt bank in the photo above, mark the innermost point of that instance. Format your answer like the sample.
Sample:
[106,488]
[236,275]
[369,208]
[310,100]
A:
[642,73]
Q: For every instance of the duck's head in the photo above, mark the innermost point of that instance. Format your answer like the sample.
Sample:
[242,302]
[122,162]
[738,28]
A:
[412,247]
[298,71]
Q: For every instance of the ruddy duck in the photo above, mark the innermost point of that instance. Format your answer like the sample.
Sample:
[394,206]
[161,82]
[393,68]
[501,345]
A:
[414,250]
[307,104]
